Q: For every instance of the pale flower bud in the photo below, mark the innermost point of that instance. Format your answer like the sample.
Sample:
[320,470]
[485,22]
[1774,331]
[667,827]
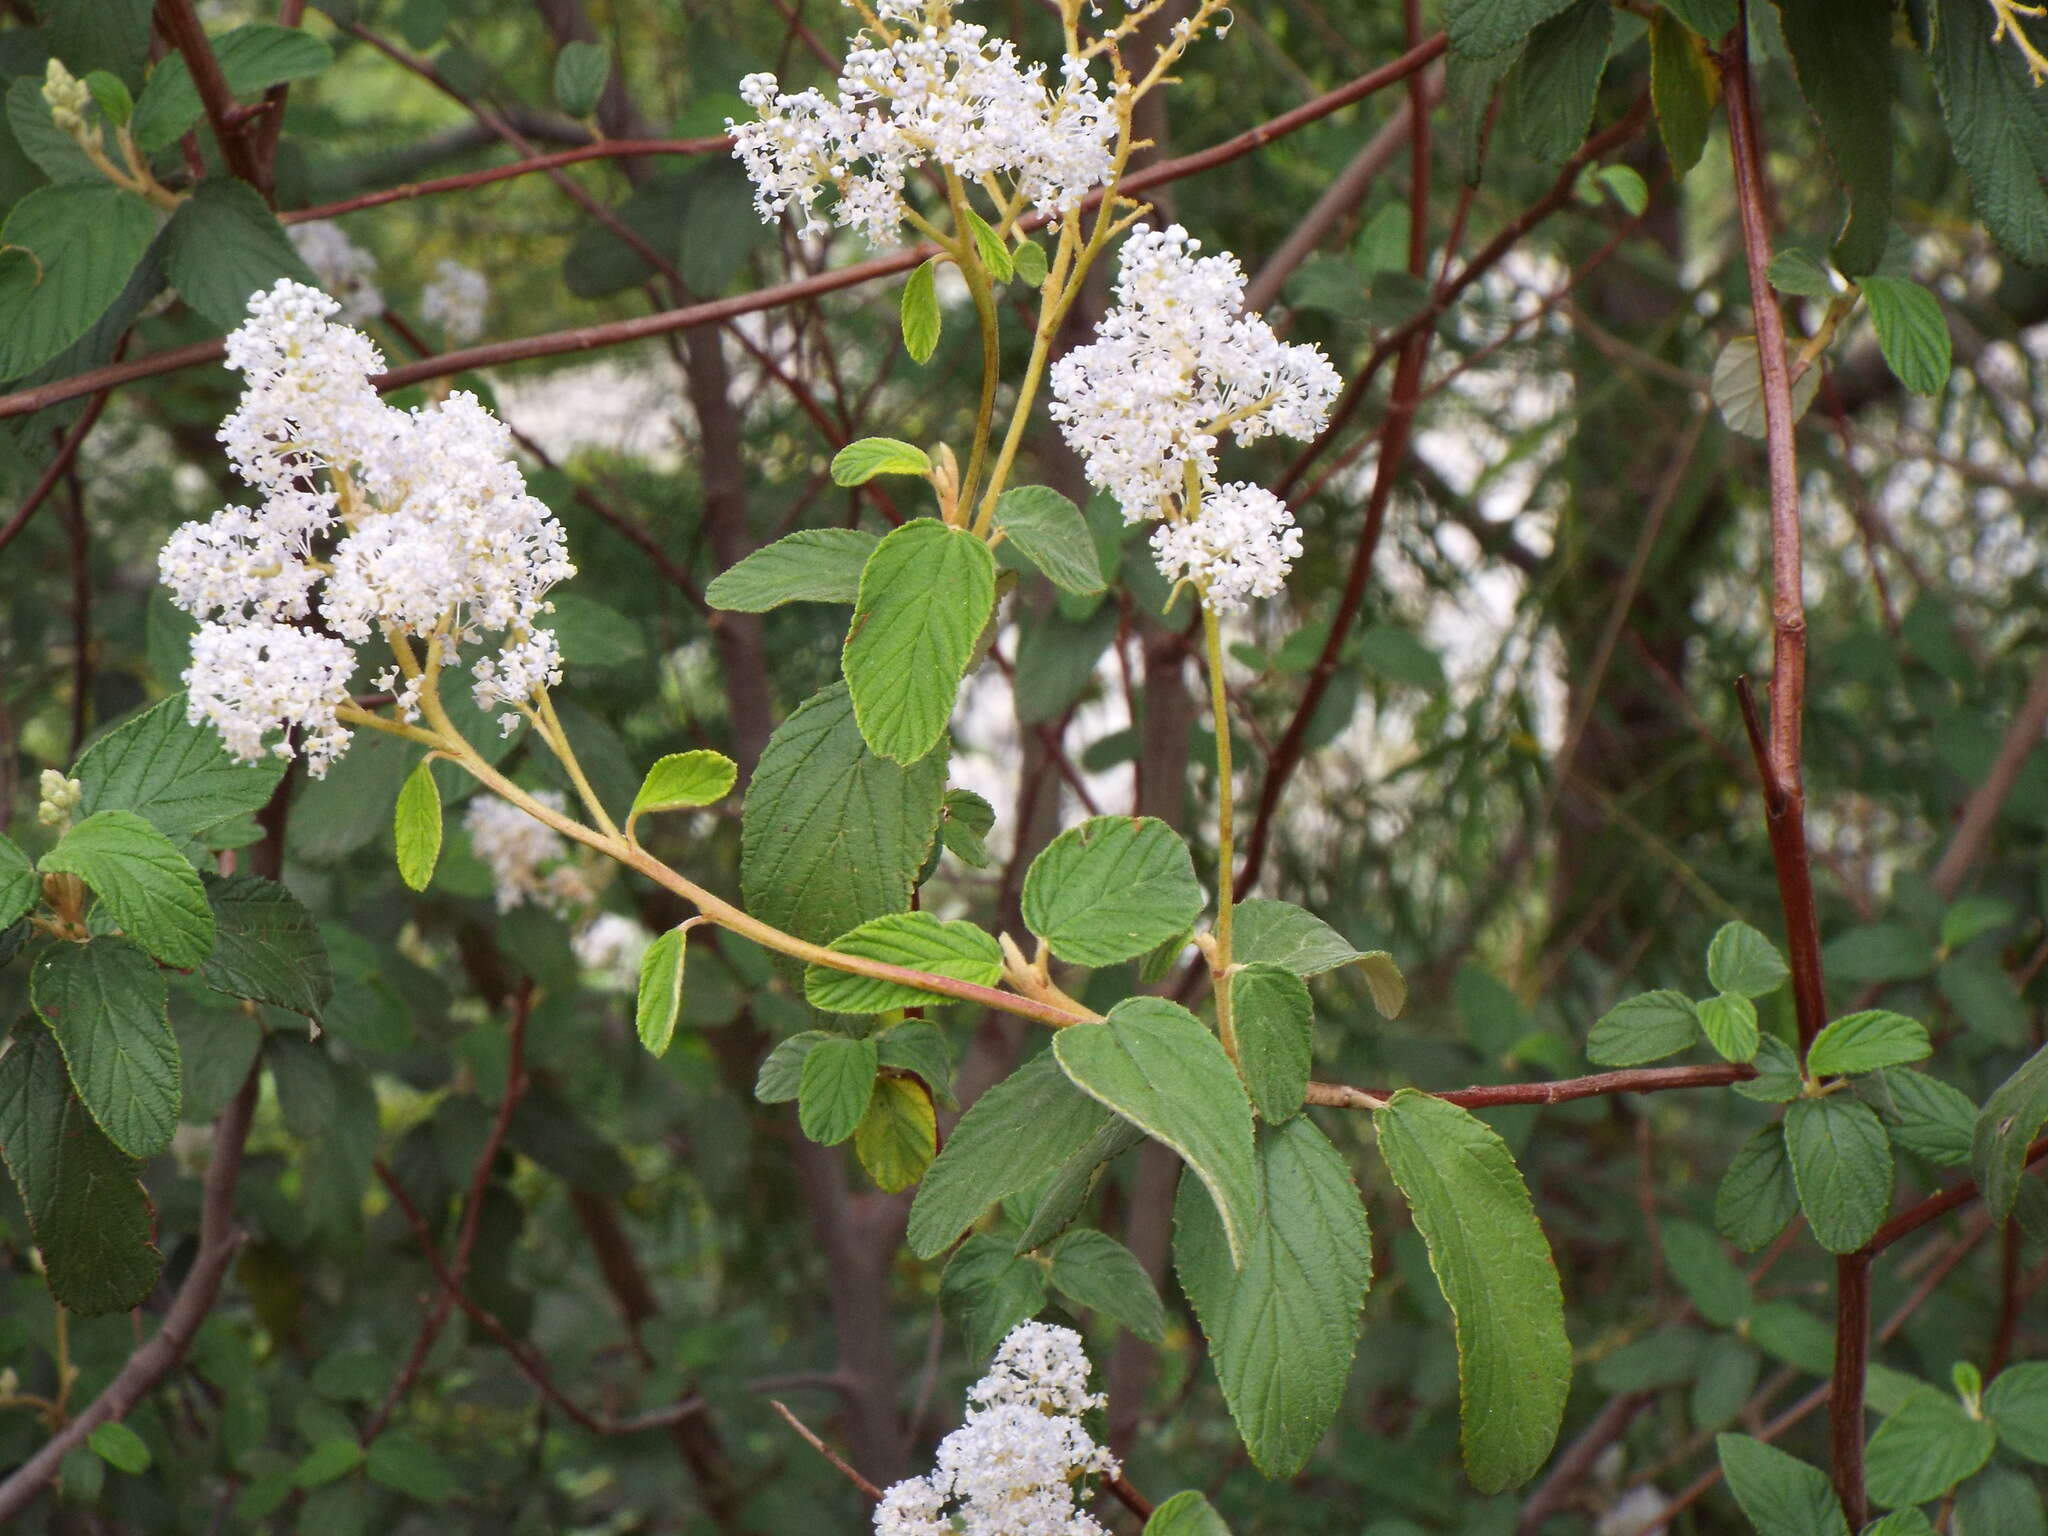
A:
[68,98]
[61,798]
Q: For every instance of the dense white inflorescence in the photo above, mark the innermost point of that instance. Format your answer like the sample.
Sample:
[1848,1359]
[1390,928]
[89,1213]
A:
[930,88]
[374,521]
[529,860]
[455,301]
[341,267]
[1013,1467]
[1173,367]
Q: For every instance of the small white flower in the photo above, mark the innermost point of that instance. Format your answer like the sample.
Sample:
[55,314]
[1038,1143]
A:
[455,301]
[938,90]
[1174,365]
[1013,1468]
[528,859]
[1240,544]
[342,267]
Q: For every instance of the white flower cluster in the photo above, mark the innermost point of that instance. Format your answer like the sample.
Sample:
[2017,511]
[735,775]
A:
[1173,366]
[529,860]
[374,521]
[455,301]
[609,948]
[929,89]
[1012,1468]
[341,267]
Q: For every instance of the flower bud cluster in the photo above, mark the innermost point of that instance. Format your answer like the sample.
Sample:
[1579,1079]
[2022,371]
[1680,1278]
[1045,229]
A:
[374,522]
[60,800]
[1013,1468]
[68,98]
[1174,366]
[928,89]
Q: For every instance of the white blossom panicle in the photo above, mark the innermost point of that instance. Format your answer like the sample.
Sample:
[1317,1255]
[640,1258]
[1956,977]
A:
[609,948]
[1013,1468]
[1174,365]
[1241,544]
[341,267]
[529,860]
[937,90]
[455,301]
[373,521]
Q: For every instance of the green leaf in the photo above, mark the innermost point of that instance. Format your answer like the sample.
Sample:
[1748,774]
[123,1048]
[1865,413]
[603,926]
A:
[838,1081]
[1384,980]
[266,946]
[119,1447]
[1842,1165]
[1158,1066]
[1711,19]
[863,459]
[1756,1195]
[2017,1402]
[399,1462]
[1061,1196]
[1912,332]
[1863,1042]
[1280,933]
[817,565]
[1187,1513]
[1647,1027]
[66,253]
[224,245]
[682,781]
[1742,960]
[53,151]
[659,1003]
[1999,1501]
[1552,92]
[1718,1289]
[2010,1119]
[991,1290]
[920,313]
[1281,1330]
[1796,270]
[1625,184]
[327,1461]
[1031,1121]
[988,245]
[172,773]
[1842,53]
[1925,1115]
[581,70]
[86,1210]
[106,1004]
[921,1049]
[1925,1449]
[1904,1522]
[780,1077]
[1270,1007]
[1781,1494]
[897,1134]
[1993,122]
[915,940]
[416,826]
[1729,1021]
[1738,387]
[1029,259]
[1777,1079]
[112,96]
[1096,1272]
[1110,889]
[832,835]
[1481,28]
[1494,1267]
[251,58]
[1057,660]
[1050,532]
[926,594]
[143,882]
[1977,988]
[964,820]
[20,890]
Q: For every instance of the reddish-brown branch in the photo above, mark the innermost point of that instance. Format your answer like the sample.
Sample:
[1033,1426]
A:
[182,25]
[1934,1207]
[67,451]
[591,337]
[610,149]
[839,1463]
[472,1213]
[219,1241]
[1499,1095]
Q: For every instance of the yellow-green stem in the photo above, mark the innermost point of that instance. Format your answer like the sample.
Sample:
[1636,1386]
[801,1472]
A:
[558,742]
[1226,852]
[968,254]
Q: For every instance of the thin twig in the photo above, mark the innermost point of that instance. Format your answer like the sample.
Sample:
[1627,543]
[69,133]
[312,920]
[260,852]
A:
[839,1462]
